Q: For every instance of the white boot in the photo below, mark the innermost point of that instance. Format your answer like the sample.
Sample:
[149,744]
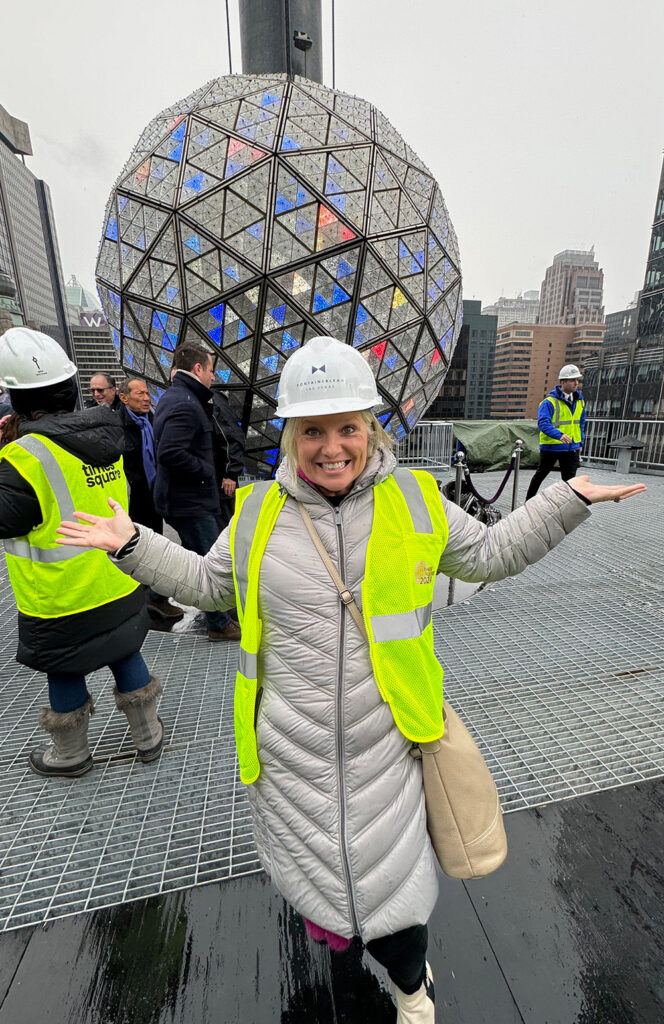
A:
[140,707]
[418,1008]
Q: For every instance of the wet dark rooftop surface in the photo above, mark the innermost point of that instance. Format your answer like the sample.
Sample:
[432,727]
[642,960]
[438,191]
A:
[570,929]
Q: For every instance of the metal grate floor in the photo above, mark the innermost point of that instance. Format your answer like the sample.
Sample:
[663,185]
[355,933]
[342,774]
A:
[562,703]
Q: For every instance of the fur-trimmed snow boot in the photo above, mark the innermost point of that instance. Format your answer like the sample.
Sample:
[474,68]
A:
[418,1008]
[68,754]
[140,707]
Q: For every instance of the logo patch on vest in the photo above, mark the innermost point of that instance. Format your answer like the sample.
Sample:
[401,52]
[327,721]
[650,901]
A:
[97,476]
[423,573]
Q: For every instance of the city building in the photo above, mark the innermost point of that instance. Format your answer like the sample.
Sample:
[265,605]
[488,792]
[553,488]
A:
[522,309]
[620,327]
[626,380]
[466,393]
[651,306]
[528,360]
[10,314]
[572,290]
[94,348]
[29,252]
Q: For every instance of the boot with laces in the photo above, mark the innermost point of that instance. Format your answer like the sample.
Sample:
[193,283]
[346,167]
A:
[418,1008]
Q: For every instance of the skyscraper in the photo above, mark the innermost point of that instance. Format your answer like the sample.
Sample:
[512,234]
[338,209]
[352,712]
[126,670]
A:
[651,306]
[522,309]
[627,380]
[94,350]
[572,289]
[466,393]
[29,252]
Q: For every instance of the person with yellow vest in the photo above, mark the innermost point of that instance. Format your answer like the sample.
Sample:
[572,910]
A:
[76,611]
[324,718]
[561,420]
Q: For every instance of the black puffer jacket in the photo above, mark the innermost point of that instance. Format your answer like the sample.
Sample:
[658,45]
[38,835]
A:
[88,640]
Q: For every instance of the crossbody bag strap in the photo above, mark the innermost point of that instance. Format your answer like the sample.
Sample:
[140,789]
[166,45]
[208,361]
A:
[344,592]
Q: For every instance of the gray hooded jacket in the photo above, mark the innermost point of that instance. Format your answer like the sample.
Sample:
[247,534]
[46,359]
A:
[338,809]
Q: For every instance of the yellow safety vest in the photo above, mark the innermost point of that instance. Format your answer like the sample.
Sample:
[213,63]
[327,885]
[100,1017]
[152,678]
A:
[407,540]
[50,580]
[567,420]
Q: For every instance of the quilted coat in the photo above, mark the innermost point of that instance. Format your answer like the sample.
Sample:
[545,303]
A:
[338,809]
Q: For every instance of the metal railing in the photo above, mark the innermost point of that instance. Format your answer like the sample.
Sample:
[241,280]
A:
[428,444]
[600,433]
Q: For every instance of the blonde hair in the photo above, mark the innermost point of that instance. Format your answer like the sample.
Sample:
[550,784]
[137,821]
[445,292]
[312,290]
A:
[377,437]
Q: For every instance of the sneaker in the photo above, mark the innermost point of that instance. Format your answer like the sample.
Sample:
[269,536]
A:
[418,1008]
[230,632]
[162,606]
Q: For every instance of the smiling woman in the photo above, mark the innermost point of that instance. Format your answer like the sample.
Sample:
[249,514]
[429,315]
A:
[330,452]
[325,717]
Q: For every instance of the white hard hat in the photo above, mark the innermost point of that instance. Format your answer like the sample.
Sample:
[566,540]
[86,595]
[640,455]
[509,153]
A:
[323,377]
[30,359]
[570,372]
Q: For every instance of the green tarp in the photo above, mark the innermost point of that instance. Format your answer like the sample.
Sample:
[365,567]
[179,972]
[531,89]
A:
[489,443]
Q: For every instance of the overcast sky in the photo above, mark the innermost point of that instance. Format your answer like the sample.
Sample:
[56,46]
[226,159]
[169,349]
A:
[543,122]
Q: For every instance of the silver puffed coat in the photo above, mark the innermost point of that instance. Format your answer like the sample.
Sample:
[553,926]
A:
[338,808]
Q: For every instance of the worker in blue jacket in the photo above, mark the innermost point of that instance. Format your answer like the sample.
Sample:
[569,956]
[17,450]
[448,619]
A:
[561,420]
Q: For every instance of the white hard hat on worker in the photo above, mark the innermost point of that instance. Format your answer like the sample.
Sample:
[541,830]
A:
[30,359]
[326,393]
[570,372]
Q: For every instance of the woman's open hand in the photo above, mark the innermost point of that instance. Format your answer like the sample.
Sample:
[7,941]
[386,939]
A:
[102,532]
[600,492]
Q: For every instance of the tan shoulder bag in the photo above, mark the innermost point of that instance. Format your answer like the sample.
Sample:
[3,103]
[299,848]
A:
[464,817]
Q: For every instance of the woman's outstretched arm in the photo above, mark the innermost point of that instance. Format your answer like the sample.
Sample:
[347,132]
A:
[203,581]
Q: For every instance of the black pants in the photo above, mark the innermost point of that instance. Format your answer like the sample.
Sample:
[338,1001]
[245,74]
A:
[403,955]
[568,462]
[198,533]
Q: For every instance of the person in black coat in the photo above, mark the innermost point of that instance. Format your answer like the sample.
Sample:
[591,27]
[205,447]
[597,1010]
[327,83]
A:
[97,632]
[229,445]
[140,468]
[185,489]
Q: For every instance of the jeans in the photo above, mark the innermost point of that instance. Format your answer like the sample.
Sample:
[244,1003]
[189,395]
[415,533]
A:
[67,691]
[403,955]
[198,533]
[568,462]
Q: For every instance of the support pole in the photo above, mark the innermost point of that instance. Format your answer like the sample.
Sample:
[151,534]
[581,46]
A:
[516,455]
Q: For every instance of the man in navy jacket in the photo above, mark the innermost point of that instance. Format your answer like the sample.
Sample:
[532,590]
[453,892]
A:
[562,421]
[185,489]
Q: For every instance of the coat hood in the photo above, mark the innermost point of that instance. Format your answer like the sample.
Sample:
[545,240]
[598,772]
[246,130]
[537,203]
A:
[377,469]
[94,435]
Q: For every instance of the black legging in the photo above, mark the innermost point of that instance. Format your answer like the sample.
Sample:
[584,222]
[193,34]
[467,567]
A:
[568,462]
[404,956]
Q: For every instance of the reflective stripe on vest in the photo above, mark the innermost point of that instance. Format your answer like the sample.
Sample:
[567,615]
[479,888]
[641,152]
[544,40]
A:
[567,420]
[408,537]
[55,477]
[403,554]
[49,580]
[256,509]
